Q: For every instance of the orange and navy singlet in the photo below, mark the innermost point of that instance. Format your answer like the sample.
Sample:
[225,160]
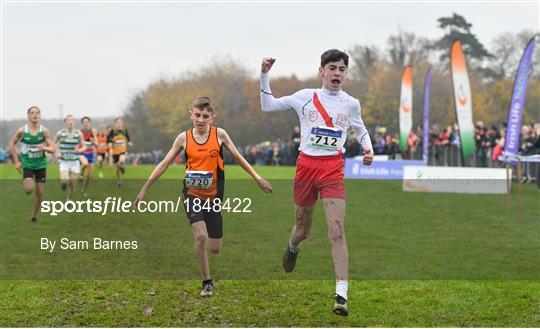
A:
[205,176]
[119,139]
[102,145]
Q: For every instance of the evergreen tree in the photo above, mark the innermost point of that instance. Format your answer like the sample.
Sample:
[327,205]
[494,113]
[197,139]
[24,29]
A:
[456,27]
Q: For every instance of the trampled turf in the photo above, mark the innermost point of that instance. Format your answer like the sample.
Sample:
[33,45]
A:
[415,259]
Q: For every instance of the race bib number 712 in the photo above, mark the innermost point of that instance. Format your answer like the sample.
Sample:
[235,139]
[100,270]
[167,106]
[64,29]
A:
[327,138]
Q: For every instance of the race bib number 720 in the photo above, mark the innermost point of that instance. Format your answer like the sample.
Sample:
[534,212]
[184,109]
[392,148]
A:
[199,179]
[327,138]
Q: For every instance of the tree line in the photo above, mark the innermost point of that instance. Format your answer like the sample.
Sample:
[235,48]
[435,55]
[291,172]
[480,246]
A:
[159,112]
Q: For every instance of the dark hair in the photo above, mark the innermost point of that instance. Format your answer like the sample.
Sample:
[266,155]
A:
[33,107]
[334,55]
[85,117]
[203,102]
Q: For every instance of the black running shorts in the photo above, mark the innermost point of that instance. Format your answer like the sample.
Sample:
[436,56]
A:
[39,174]
[212,219]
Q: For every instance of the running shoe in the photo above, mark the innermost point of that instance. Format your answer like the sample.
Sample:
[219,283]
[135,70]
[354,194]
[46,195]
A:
[340,306]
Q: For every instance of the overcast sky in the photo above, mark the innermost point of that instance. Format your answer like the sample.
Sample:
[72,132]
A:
[92,57]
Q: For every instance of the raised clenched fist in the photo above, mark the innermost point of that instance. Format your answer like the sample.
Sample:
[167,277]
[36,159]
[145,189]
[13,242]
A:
[266,64]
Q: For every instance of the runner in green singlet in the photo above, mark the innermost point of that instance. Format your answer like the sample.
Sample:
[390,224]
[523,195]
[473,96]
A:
[32,161]
[70,143]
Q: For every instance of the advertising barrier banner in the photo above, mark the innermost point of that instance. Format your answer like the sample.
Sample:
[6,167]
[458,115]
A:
[454,180]
[391,169]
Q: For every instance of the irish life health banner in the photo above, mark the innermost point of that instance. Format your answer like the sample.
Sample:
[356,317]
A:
[462,98]
[425,120]
[405,107]
[511,145]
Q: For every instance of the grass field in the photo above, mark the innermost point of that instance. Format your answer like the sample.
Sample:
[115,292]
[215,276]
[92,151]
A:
[415,260]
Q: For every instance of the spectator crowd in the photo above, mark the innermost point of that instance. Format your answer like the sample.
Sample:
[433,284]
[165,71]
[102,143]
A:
[444,147]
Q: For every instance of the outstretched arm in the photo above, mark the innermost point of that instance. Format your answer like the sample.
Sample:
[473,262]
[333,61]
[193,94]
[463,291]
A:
[239,159]
[177,147]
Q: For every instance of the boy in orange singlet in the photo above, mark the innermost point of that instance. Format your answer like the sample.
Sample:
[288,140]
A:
[205,179]
[118,143]
[102,148]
